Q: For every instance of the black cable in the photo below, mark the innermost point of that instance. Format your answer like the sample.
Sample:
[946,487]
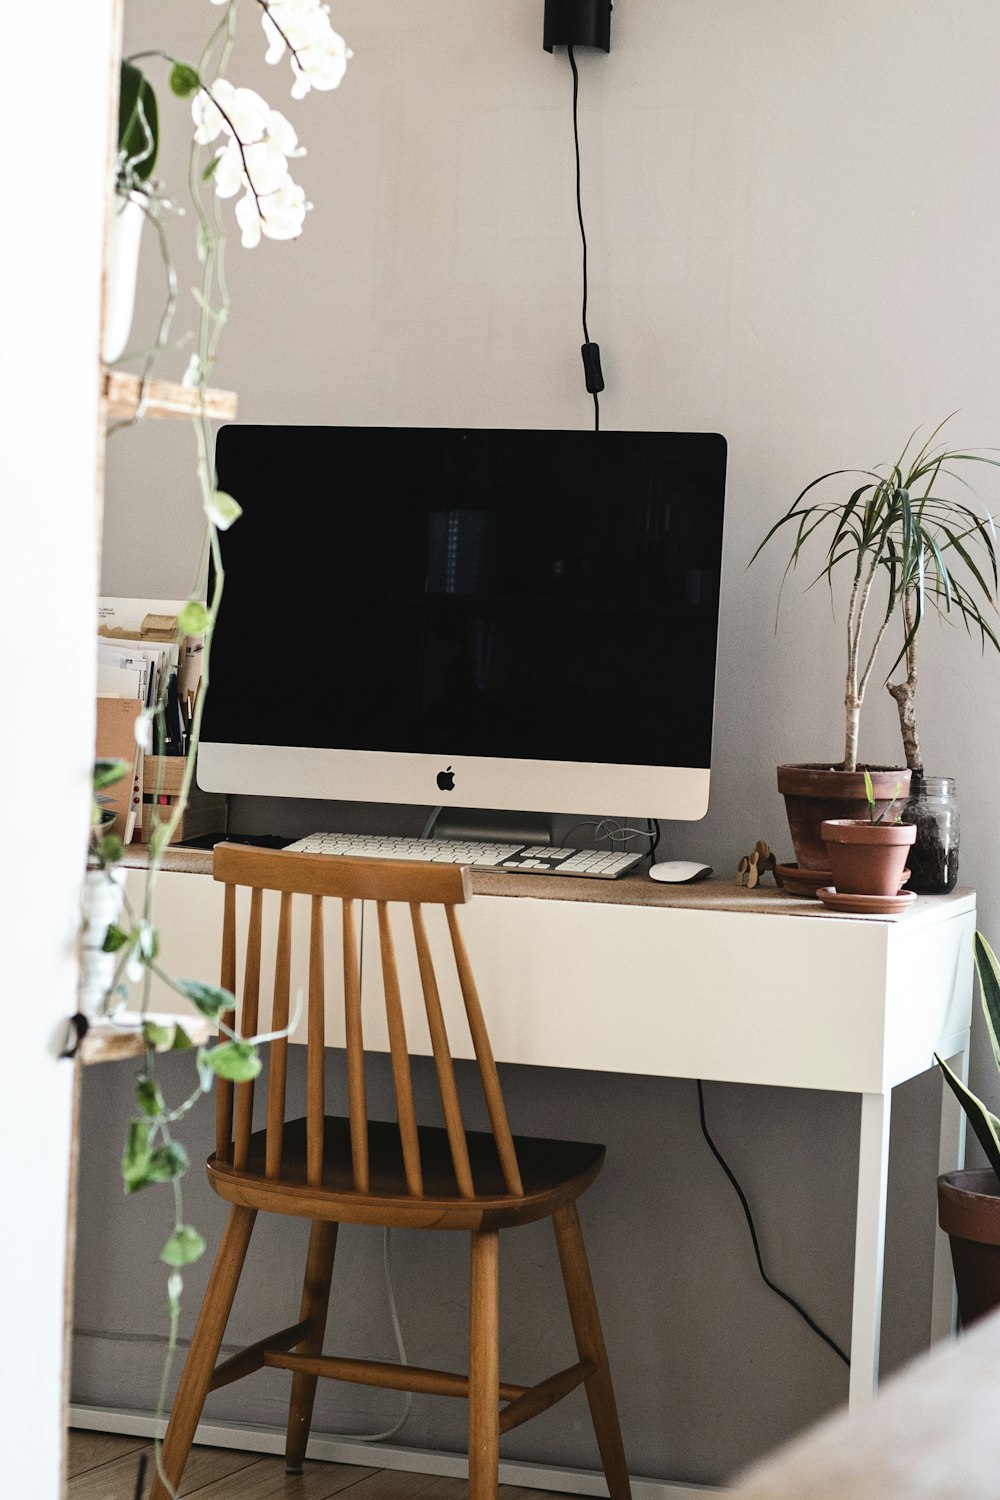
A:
[753,1234]
[579,214]
[140,1477]
[654,838]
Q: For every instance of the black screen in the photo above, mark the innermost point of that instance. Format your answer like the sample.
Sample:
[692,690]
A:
[545,595]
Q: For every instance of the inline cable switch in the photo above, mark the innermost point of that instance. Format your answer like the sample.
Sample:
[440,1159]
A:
[592,367]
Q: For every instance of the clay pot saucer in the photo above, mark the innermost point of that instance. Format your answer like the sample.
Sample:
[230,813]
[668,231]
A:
[802,882]
[875,905]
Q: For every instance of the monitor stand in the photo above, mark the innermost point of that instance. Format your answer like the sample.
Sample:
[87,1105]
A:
[487,825]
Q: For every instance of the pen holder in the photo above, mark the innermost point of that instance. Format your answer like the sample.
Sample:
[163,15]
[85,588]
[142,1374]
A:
[162,779]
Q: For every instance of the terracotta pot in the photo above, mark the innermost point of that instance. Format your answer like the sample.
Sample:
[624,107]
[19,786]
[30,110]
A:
[969,1214]
[865,858]
[815,792]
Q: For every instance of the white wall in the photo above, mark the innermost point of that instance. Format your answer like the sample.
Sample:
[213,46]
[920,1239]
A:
[794,231]
[54,114]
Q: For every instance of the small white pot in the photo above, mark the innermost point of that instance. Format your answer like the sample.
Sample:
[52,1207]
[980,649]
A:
[103,895]
[124,239]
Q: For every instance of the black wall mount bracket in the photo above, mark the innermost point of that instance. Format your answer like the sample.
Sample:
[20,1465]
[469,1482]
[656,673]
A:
[577,23]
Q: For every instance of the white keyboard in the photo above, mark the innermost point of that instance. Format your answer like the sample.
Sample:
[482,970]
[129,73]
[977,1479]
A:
[536,859]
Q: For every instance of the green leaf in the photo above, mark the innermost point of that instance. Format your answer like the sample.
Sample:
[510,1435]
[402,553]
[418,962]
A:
[110,849]
[149,941]
[238,1062]
[223,510]
[167,1162]
[135,1157]
[210,999]
[206,1075]
[114,939]
[107,772]
[988,971]
[985,1124]
[175,1285]
[181,1042]
[184,1246]
[184,80]
[211,169]
[869,790]
[194,618]
[149,1096]
[155,1035]
[138,125]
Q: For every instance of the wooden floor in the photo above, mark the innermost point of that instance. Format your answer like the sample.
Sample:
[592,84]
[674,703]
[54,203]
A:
[104,1466]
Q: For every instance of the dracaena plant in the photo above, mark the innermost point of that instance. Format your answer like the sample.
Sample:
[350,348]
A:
[983,1121]
[908,538]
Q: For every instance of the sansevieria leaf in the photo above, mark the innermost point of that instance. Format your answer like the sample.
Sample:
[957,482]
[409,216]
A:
[989,988]
[985,1124]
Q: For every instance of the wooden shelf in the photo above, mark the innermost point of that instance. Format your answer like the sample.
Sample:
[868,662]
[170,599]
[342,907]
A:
[164,398]
[105,1041]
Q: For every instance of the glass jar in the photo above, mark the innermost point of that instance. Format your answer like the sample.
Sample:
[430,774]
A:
[933,859]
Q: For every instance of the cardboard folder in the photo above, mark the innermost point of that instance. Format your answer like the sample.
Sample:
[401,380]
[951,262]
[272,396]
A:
[116,719]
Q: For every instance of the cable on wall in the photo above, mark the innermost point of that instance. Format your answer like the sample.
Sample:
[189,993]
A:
[753,1234]
[590,351]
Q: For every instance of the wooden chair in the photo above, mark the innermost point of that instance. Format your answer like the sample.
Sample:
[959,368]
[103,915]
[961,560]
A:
[361,1171]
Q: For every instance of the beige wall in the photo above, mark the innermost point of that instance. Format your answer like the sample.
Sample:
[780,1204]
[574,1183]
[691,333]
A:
[793,225]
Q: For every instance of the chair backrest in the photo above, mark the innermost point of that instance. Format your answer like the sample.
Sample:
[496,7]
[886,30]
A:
[349,881]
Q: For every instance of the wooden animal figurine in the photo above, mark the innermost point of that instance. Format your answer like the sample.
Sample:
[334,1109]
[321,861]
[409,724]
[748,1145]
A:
[753,867]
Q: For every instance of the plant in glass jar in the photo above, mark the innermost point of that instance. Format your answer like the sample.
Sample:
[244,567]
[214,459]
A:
[906,537]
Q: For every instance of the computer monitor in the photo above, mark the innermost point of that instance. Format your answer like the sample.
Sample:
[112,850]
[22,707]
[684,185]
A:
[519,620]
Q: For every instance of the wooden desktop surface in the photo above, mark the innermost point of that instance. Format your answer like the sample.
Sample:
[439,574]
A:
[716,893]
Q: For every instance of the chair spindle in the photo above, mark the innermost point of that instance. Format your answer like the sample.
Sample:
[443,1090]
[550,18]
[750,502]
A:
[484,1056]
[227,979]
[400,1056]
[315,1098]
[357,1100]
[278,1071]
[249,1014]
[442,1057]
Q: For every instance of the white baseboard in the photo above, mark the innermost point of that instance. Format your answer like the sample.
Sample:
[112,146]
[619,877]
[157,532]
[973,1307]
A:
[331,1449]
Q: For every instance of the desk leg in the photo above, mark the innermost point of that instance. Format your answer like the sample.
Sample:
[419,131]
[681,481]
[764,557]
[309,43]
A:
[951,1154]
[869,1246]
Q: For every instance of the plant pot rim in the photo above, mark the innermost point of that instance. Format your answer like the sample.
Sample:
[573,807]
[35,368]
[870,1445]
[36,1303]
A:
[818,778]
[969,1204]
[860,831]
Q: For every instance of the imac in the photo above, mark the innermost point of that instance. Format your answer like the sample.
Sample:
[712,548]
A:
[519,620]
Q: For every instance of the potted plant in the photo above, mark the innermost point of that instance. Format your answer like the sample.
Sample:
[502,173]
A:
[867,856]
[969,1198]
[240,148]
[901,539]
[136,195]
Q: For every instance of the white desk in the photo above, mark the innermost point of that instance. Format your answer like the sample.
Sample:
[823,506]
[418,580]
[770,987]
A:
[710,981]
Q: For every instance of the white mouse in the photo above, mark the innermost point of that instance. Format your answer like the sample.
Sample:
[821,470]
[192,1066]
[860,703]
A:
[679,871]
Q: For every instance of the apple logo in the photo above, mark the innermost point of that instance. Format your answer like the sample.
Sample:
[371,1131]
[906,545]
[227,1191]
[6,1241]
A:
[446,780]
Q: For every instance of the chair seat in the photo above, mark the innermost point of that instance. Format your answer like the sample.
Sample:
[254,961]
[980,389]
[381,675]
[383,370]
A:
[554,1173]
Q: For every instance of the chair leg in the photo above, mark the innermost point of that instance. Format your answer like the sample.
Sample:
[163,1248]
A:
[196,1377]
[484,1366]
[590,1345]
[315,1302]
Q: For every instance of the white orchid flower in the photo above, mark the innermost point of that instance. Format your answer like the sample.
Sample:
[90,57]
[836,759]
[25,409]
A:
[319,54]
[280,215]
[229,177]
[283,134]
[266,167]
[239,112]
